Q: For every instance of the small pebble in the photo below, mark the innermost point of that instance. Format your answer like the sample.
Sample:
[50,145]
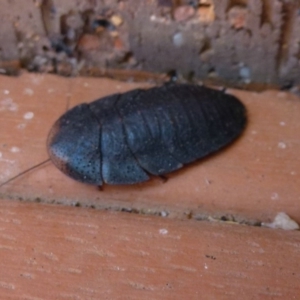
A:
[178,39]
[164,213]
[245,72]
[116,20]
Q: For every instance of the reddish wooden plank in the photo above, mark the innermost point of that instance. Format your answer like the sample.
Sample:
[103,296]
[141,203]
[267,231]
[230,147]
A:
[52,252]
[254,178]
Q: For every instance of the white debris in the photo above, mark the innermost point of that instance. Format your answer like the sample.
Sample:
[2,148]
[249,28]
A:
[15,149]
[28,92]
[281,145]
[163,231]
[29,115]
[164,213]
[153,18]
[282,221]
[274,196]
[8,104]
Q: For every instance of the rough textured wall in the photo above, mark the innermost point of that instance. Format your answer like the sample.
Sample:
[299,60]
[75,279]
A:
[234,40]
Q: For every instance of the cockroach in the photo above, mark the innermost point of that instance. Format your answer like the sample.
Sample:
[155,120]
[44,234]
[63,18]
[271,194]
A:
[125,138]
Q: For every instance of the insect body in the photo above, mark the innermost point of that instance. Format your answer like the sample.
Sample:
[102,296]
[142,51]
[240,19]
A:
[124,138]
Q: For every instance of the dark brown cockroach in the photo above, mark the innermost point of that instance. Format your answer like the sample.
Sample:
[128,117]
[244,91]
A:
[124,138]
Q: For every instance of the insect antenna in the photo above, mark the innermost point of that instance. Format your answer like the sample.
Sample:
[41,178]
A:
[24,172]
[48,159]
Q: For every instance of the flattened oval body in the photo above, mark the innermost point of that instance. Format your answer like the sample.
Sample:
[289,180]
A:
[124,138]
[73,145]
